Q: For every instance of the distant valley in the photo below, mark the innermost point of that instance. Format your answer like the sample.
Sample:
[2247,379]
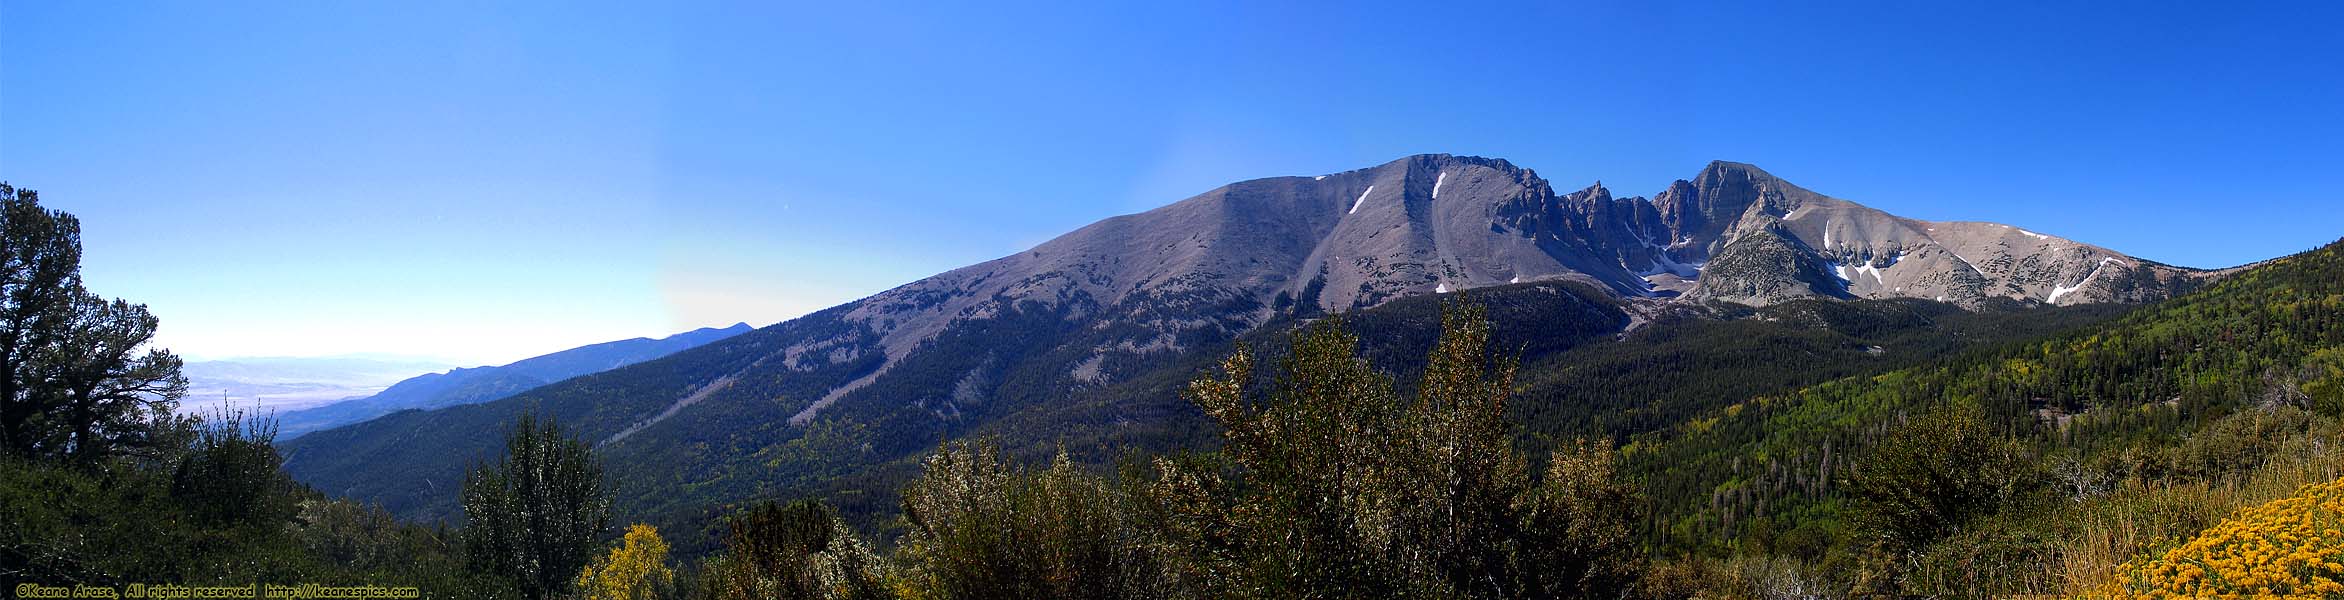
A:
[482,384]
[287,384]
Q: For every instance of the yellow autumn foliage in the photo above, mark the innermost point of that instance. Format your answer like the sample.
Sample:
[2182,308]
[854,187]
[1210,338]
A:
[636,570]
[2286,548]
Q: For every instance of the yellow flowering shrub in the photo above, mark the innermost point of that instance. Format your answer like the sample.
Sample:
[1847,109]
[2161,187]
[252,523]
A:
[2291,547]
[636,570]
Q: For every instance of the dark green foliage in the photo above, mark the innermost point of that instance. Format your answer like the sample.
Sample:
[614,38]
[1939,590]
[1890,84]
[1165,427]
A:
[366,541]
[536,516]
[100,483]
[1337,486]
[1307,510]
[1003,376]
[233,476]
[2208,386]
[40,278]
[978,527]
[121,521]
[1525,322]
[72,379]
[796,551]
[2236,443]
[1937,474]
[2003,551]
[662,475]
[1330,484]
[482,384]
[1682,366]
[1582,519]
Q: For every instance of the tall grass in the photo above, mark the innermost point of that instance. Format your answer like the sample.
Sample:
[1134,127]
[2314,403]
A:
[2139,518]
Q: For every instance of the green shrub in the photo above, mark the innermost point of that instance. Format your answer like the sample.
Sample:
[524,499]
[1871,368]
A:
[233,475]
[1932,478]
[1335,485]
[979,527]
[797,551]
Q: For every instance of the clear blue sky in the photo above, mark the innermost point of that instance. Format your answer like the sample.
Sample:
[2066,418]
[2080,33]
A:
[488,181]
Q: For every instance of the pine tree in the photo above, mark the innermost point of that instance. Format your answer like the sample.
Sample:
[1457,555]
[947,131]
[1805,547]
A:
[73,382]
[535,516]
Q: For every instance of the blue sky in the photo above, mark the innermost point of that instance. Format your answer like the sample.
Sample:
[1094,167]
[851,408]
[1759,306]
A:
[488,181]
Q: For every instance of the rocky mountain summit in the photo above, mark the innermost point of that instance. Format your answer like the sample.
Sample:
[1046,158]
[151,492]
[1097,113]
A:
[1094,316]
[1227,260]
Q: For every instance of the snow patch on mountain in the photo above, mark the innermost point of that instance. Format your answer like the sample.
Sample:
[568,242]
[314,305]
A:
[1965,261]
[1868,269]
[1362,199]
[2057,291]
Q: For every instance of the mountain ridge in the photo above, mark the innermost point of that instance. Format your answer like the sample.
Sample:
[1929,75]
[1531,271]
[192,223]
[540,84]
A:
[468,385]
[292,383]
[1358,238]
[882,377]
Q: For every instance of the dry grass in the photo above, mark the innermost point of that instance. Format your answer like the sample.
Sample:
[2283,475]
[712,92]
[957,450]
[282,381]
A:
[2136,520]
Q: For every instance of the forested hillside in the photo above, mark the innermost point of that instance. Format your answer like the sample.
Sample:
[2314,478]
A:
[1582,376]
[481,384]
[682,477]
[2231,393]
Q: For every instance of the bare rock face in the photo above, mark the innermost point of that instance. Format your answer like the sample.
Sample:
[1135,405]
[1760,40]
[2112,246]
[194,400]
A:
[1873,254]
[1764,266]
[1102,302]
[1225,261]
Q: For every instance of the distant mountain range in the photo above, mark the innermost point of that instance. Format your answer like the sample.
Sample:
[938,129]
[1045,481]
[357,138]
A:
[1084,336]
[482,384]
[292,383]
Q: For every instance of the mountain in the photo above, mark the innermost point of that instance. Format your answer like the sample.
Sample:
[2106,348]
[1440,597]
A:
[1083,336]
[482,384]
[292,383]
[1788,242]
[2240,379]
[1225,261]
